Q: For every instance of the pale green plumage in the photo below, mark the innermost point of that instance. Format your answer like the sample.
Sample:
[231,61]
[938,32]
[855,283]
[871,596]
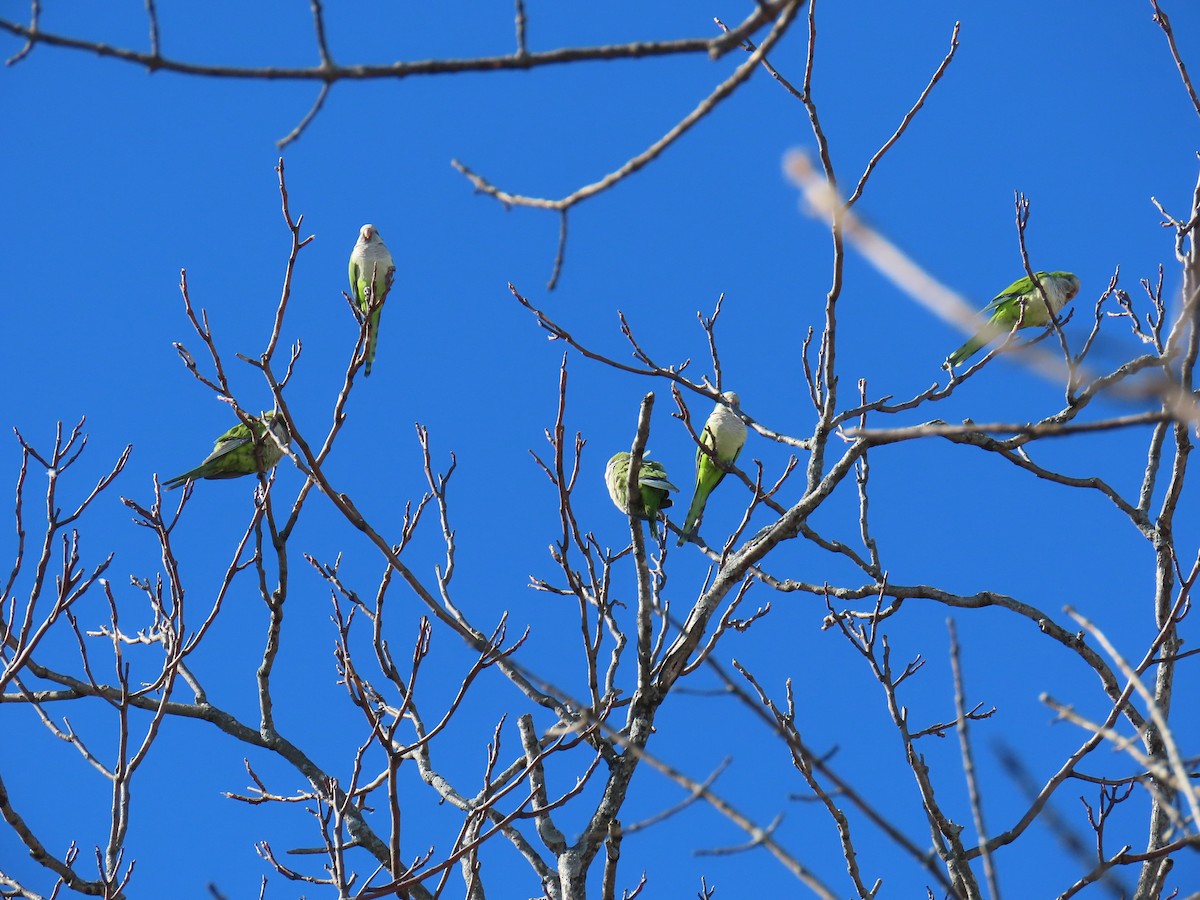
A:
[371,271]
[725,434]
[652,482]
[1005,309]
[234,452]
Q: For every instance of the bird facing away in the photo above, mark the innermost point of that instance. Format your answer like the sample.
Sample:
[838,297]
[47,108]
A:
[1005,310]
[652,480]
[725,434]
[234,453]
[371,270]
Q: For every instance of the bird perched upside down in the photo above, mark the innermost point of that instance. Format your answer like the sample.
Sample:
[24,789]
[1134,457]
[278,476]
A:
[1005,309]
[652,481]
[234,452]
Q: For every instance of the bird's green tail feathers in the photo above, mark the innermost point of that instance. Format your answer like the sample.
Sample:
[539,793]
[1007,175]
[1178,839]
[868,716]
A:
[693,515]
[965,352]
[654,501]
[372,340]
[180,480]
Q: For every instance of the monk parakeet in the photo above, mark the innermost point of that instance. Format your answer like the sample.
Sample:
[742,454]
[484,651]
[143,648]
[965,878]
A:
[725,434]
[1005,309]
[652,479]
[233,454]
[370,256]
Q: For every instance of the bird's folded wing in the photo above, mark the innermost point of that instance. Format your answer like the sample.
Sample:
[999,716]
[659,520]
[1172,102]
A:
[224,448]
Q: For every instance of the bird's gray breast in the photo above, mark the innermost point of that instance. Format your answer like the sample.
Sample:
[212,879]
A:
[375,253]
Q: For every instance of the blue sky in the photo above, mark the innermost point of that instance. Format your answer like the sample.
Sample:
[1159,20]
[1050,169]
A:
[117,179]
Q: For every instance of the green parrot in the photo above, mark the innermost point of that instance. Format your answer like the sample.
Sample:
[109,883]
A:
[233,454]
[725,434]
[652,479]
[370,255]
[1005,309]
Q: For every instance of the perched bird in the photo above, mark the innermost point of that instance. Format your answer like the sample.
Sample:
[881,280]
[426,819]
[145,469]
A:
[725,434]
[370,259]
[652,480]
[234,453]
[1005,309]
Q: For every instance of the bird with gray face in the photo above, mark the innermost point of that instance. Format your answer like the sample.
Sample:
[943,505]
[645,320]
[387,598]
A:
[234,453]
[1005,309]
[652,483]
[371,270]
[724,434]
